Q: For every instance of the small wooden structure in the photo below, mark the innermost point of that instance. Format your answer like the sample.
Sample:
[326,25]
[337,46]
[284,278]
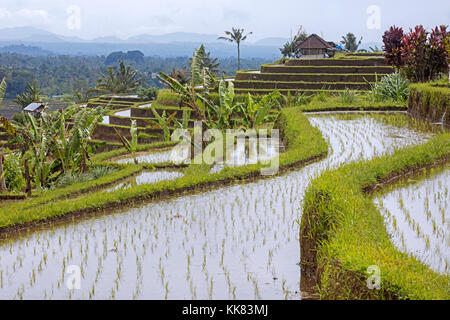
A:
[314,47]
[34,108]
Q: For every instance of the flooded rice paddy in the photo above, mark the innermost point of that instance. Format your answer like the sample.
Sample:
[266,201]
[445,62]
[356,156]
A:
[149,157]
[236,242]
[418,218]
[147,177]
[123,113]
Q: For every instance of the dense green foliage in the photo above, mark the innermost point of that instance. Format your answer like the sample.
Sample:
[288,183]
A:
[58,75]
[303,143]
[13,172]
[392,87]
[350,43]
[419,54]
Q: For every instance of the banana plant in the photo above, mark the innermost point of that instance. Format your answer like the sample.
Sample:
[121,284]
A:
[222,113]
[130,146]
[163,122]
[255,114]
[184,124]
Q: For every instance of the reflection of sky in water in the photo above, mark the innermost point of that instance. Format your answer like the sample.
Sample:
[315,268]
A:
[238,241]
[123,113]
[147,178]
[151,157]
[417,217]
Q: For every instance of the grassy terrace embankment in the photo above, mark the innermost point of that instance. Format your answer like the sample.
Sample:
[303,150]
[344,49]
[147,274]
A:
[303,142]
[430,101]
[343,232]
[360,103]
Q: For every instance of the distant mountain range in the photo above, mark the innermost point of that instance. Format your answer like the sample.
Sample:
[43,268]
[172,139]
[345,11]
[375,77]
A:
[30,34]
[167,45]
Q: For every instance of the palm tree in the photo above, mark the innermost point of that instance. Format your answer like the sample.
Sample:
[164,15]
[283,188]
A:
[120,81]
[236,35]
[350,43]
[30,95]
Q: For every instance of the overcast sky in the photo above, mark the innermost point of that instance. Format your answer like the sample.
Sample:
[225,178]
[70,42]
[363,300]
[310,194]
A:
[266,18]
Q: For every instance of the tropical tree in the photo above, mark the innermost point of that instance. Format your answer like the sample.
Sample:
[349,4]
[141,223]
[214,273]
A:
[207,62]
[121,81]
[163,122]
[256,114]
[56,146]
[30,95]
[236,35]
[350,43]
[78,97]
[290,49]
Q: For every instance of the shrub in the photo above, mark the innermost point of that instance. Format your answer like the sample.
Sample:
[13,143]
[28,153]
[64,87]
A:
[70,178]
[13,172]
[348,96]
[421,55]
[147,94]
[393,87]
[392,41]
[321,96]
[19,117]
[168,97]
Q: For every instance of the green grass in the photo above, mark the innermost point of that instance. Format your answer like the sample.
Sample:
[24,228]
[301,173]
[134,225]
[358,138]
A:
[104,156]
[168,97]
[430,101]
[327,67]
[303,142]
[360,102]
[349,235]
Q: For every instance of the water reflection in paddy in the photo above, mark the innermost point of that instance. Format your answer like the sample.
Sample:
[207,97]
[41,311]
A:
[417,217]
[234,242]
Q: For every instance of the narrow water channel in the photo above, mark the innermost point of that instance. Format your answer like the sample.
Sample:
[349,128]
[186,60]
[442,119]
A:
[234,242]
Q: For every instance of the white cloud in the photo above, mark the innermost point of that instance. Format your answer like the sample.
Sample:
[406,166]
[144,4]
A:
[27,13]
[4,13]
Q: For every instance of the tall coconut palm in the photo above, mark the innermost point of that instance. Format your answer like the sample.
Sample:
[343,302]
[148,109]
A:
[121,81]
[236,35]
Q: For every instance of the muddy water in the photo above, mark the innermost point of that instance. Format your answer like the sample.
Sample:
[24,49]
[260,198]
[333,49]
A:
[235,242]
[418,218]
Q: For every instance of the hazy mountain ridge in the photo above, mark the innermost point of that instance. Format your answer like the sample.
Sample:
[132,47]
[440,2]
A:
[168,45]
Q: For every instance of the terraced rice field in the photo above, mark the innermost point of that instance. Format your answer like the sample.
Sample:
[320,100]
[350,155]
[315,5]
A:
[238,242]
[418,219]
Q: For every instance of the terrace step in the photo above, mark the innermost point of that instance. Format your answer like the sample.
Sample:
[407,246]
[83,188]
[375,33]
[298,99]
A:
[291,91]
[373,62]
[326,69]
[309,77]
[107,132]
[301,85]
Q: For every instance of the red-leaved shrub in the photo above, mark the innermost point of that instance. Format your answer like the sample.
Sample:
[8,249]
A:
[392,41]
[420,55]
